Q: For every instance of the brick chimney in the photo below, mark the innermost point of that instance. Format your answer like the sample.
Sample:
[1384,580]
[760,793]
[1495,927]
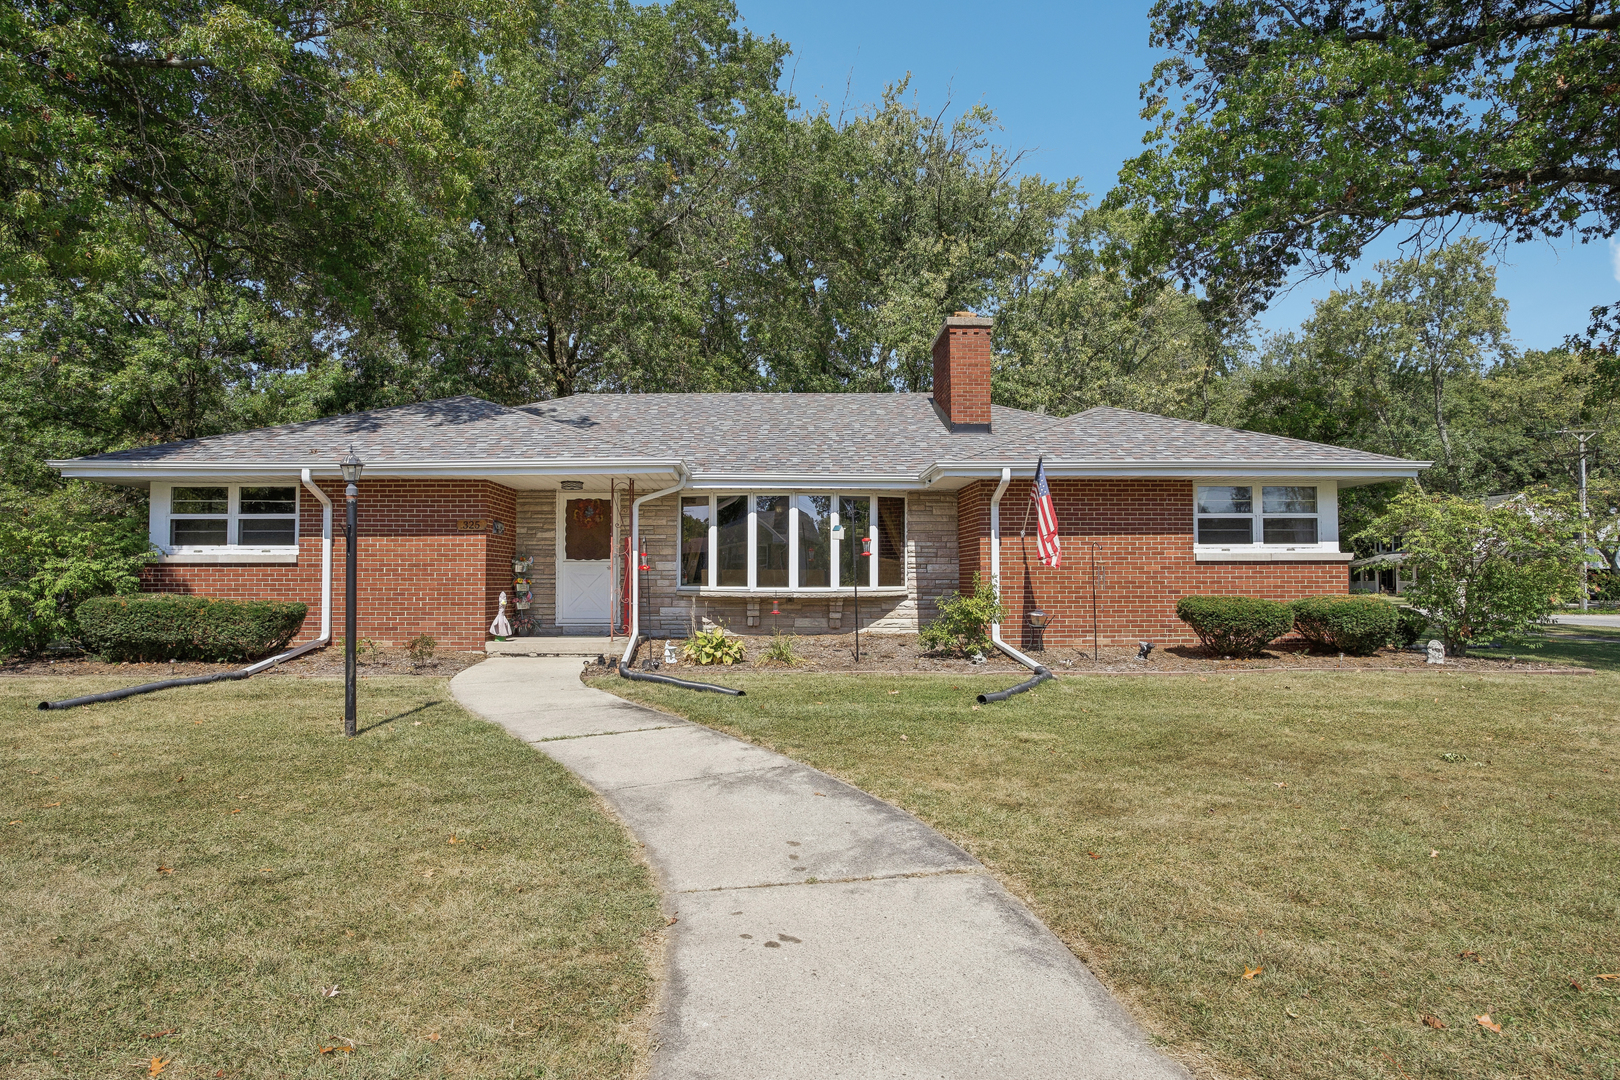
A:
[962,371]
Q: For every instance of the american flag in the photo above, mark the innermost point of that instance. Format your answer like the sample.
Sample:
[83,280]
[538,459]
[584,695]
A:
[1046,526]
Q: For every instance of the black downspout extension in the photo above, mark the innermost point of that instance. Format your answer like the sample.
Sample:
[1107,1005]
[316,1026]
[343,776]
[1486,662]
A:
[1041,675]
[144,688]
[625,671]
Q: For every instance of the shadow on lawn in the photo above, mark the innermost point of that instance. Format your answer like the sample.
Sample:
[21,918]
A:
[397,716]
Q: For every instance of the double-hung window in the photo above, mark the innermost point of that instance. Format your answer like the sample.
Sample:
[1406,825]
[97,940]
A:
[206,517]
[1280,514]
[782,541]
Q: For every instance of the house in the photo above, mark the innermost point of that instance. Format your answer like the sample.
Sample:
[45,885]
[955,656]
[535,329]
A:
[763,502]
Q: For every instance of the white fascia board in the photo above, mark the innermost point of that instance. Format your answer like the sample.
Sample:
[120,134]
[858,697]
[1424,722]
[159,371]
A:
[804,482]
[80,469]
[1187,470]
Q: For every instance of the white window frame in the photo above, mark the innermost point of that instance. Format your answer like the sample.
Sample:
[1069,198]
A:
[1327,517]
[161,514]
[839,538]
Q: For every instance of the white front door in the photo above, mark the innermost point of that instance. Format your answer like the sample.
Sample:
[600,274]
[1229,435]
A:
[584,550]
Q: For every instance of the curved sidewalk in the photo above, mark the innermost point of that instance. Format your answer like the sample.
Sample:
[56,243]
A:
[822,932]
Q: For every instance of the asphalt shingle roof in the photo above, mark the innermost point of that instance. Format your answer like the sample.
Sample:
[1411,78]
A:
[892,435]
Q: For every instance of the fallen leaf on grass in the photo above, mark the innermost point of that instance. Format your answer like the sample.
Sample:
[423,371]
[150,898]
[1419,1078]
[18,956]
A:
[893,692]
[336,1050]
[1432,1021]
[1484,1021]
[18,822]
[1249,972]
[1094,855]
[237,810]
[433,1037]
[904,738]
[157,1066]
[1292,1015]
[1576,985]
[1278,784]
[1606,978]
[330,991]
[673,919]
[1433,854]
[160,1034]
[453,839]
[165,869]
[427,873]
[48,805]
[1468,954]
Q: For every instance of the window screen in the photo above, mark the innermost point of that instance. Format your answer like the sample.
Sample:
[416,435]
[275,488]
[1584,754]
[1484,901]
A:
[815,541]
[695,540]
[891,545]
[731,527]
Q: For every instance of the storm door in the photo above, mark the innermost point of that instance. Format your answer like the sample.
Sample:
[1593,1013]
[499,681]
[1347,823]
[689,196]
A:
[584,566]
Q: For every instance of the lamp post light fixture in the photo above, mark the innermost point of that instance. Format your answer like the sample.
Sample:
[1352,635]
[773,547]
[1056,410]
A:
[351,466]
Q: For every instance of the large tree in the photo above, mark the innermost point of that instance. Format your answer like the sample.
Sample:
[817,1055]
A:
[1292,134]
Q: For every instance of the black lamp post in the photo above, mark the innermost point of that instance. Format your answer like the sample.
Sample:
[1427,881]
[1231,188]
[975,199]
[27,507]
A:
[351,466]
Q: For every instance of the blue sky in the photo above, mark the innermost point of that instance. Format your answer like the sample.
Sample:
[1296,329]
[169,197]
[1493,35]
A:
[1063,80]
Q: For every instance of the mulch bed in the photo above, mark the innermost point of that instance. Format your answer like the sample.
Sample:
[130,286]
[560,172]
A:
[320,663]
[900,654]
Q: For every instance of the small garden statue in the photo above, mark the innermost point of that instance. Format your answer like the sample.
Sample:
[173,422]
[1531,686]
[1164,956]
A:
[500,629]
[1437,651]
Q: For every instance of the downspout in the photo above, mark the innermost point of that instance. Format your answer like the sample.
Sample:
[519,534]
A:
[1041,673]
[251,669]
[634,571]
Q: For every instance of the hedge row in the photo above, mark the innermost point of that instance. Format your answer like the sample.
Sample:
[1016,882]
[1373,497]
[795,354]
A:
[166,627]
[1244,625]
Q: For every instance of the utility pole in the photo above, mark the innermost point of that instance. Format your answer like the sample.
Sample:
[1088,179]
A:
[1582,435]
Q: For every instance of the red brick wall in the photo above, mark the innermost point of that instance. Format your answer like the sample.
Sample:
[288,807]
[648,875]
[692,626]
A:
[962,373]
[1143,532]
[418,574]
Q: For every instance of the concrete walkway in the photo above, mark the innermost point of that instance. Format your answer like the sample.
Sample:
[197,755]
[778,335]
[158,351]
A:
[1610,622]
[821,932]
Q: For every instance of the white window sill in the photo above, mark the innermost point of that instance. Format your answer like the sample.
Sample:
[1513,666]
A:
[790,594]
[1261,553]
[237,556]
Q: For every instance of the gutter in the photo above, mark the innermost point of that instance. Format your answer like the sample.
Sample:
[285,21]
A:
[251,669]
[634,633]
[1041,673]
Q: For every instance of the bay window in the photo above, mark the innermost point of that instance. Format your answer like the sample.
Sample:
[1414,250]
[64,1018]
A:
[786,541]
[1281,515]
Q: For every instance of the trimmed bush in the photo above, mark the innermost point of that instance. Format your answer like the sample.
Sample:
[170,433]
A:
[1358,625]
[1410,625]
[1235,625]
[158,626]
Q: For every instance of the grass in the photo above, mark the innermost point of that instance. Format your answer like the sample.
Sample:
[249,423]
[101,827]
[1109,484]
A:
[208,861]
[1384,847]
[1562,645]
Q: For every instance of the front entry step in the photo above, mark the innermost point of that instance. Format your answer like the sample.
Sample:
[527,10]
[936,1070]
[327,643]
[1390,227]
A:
[557,646]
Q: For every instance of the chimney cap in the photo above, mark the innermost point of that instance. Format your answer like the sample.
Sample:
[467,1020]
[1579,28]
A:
[964,319]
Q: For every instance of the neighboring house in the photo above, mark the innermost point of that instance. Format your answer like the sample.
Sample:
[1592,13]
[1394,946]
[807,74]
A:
[776,490]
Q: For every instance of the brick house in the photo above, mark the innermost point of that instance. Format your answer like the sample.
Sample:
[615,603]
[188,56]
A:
[759,506]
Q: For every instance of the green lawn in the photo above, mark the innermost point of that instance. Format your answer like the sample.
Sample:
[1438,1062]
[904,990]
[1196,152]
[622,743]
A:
[209,861]
[1563,645]
[1383,847]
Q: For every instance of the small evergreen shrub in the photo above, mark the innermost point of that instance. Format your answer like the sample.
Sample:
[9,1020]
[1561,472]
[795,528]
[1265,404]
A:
[1358,625]
[164,627]
[964,622]
[714,646]
[1235,625]
[1410,625]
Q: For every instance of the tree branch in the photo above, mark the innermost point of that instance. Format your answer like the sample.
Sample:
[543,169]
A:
[191,64]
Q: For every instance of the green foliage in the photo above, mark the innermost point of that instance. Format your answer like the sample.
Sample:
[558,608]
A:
[780,650]
[1482,572]
[1410,626]
[158,626]
[963,624]
[1302,131]
[421,648]
[1358,625]
[714,646]
[50,564]
[1235,625]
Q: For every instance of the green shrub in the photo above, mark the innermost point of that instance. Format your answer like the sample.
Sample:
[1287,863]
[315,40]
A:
[50,565]
[713,646]
[1358,625]
[1410,626]
[963,625]
[1235,625]
[166,627]
[421,648]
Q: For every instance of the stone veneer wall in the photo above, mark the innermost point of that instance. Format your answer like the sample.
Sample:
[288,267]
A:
[931,570]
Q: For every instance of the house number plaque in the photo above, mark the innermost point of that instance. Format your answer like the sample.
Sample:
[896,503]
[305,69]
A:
[472,525]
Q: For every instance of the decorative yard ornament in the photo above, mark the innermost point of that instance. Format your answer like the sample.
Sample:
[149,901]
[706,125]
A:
[1437,652]
[500,628]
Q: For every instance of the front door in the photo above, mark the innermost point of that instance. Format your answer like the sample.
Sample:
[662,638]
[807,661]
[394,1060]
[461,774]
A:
[584,569]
